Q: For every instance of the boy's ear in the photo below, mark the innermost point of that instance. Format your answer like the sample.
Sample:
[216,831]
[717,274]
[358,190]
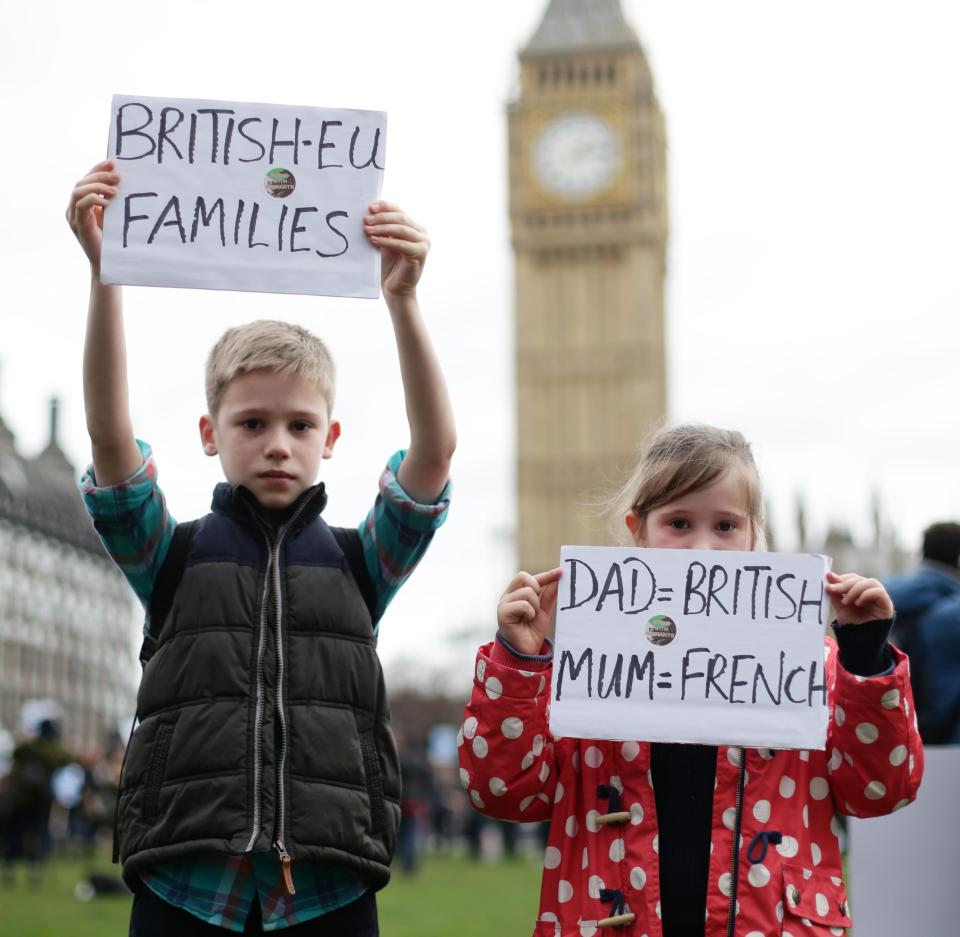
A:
[208,437]
[333,434]
[635,526]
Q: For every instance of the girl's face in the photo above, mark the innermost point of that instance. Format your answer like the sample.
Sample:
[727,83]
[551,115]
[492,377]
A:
[712,518]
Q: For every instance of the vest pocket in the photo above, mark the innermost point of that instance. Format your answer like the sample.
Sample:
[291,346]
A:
[373,780]
[156,770]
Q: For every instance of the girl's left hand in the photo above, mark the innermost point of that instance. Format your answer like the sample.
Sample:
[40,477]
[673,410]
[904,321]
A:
[857,600]
[403,244]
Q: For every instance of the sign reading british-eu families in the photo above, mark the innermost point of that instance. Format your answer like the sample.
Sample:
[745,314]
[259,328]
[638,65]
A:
[237,196]
[708,646]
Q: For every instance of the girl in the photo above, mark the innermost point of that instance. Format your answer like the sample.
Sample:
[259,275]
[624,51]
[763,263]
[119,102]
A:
[691,840]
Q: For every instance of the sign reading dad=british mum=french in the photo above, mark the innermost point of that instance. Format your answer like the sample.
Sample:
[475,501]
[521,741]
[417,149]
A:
[710,646]
[237,196]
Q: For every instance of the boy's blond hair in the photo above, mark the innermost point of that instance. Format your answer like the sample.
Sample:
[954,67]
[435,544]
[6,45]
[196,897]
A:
[272,346]
[676,461]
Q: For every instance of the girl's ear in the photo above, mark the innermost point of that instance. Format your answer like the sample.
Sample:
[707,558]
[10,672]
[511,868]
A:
[635,526]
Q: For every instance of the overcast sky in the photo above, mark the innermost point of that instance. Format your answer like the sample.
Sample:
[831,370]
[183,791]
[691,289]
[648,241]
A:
[812,295]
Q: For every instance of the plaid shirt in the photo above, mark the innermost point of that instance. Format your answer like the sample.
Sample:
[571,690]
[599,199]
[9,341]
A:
[136,528]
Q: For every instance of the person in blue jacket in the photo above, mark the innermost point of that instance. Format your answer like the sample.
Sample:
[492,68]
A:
[928,629]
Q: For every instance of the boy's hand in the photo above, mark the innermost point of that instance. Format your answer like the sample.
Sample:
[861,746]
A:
[85,211]
[524,610]
[857,600]
[403,247]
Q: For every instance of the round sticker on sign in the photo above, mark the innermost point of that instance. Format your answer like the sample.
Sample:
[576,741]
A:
[279,183]
[661,630]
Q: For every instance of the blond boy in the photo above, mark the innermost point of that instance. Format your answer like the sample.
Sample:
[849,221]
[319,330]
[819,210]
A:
[261,786]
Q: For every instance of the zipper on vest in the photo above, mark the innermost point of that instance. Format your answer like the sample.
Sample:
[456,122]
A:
[286,869]
[272,578]
[735,859]
[258,715]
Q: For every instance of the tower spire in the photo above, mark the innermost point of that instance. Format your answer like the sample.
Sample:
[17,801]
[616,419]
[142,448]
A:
[581,25]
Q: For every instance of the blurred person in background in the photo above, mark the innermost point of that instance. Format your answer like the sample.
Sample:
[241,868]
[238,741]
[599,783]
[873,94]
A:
[928,630]
[29,796]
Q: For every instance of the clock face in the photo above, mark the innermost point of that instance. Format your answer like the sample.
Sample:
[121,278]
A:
[576,155]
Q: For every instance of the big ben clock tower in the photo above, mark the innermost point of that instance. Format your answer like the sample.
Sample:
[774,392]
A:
[588,210]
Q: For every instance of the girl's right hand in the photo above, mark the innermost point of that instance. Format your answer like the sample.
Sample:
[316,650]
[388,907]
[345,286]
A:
[525,609]
[85,210]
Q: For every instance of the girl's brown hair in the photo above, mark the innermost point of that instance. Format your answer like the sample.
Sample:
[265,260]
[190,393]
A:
[676,461]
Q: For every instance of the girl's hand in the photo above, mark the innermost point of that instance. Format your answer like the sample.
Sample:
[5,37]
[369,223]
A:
[525,609]
[403,247]
[85,210]
[857,600]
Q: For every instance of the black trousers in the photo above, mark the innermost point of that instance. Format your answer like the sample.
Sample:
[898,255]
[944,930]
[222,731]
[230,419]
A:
[153,917]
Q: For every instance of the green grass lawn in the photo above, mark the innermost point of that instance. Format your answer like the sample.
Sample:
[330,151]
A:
[442,900]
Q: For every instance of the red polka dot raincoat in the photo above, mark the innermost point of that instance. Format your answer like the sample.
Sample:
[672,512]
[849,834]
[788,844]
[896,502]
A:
[600,867]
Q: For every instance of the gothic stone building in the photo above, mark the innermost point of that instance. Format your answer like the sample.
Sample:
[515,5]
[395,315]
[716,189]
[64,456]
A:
[67,618]
[588,210]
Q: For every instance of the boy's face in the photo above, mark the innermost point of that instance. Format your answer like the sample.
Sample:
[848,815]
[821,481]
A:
[271,433]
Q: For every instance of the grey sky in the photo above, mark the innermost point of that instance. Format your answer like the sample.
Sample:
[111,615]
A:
[812,293]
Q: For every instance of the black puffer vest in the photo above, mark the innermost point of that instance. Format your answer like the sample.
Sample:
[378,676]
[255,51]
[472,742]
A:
[263,715]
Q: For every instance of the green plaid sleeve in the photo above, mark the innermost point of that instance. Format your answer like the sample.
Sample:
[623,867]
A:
[397,532]
[133,522]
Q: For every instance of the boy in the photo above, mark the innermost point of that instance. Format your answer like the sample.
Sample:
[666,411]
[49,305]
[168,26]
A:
[261,788]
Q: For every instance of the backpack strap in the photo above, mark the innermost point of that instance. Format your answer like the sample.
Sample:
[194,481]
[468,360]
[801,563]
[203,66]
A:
[166,585]
[348,539]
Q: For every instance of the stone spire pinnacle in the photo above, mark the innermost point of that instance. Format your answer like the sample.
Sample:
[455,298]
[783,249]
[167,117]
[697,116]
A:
[581,25]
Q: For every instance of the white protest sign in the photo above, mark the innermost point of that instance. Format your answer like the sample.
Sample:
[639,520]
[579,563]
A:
[234,196]
[711,646]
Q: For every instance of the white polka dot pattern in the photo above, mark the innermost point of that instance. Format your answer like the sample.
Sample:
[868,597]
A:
[867,732]
[494,688]
[512,727]
[788,847]
[512,766]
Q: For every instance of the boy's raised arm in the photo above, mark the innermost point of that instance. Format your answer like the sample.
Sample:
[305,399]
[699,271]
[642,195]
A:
[116,455]
[433,437]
